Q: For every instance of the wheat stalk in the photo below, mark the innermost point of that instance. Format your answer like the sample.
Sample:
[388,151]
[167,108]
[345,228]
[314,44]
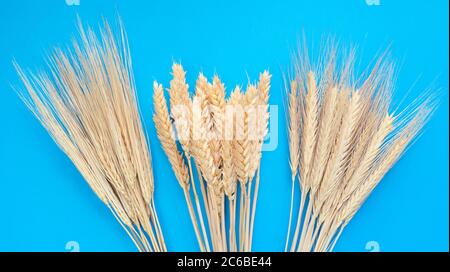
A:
[224,138]
[87,103]
[166,136]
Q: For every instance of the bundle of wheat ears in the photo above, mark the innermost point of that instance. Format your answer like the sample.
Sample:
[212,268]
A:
[343,138]
[221,138]
[87,103]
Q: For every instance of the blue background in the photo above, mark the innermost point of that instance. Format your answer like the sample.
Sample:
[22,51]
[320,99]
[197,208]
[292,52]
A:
[44,202]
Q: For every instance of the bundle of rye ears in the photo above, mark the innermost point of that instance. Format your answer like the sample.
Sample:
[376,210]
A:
[222,139]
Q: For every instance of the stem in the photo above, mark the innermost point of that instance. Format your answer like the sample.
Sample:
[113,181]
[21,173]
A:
[330,248]
[193,218]
[313,238]
[247,216]
[233,239]
[241,217]
[322,236]
[142,236]
[255,198]
[305,223]
[147,226]
[308,239]
[334,226]
[214,220]
[133,238]
[142,246]
[205,201]
[159,233]
[299,219]
[222,217]
[230,227]
[290,214]
[197,204]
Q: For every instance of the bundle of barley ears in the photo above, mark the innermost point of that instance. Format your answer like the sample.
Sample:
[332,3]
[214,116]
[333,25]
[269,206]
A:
[87,103]
[222,139]
[343,138]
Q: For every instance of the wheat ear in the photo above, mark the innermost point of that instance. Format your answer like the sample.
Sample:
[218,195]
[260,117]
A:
[181,109]
[262,129]
[166,137]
